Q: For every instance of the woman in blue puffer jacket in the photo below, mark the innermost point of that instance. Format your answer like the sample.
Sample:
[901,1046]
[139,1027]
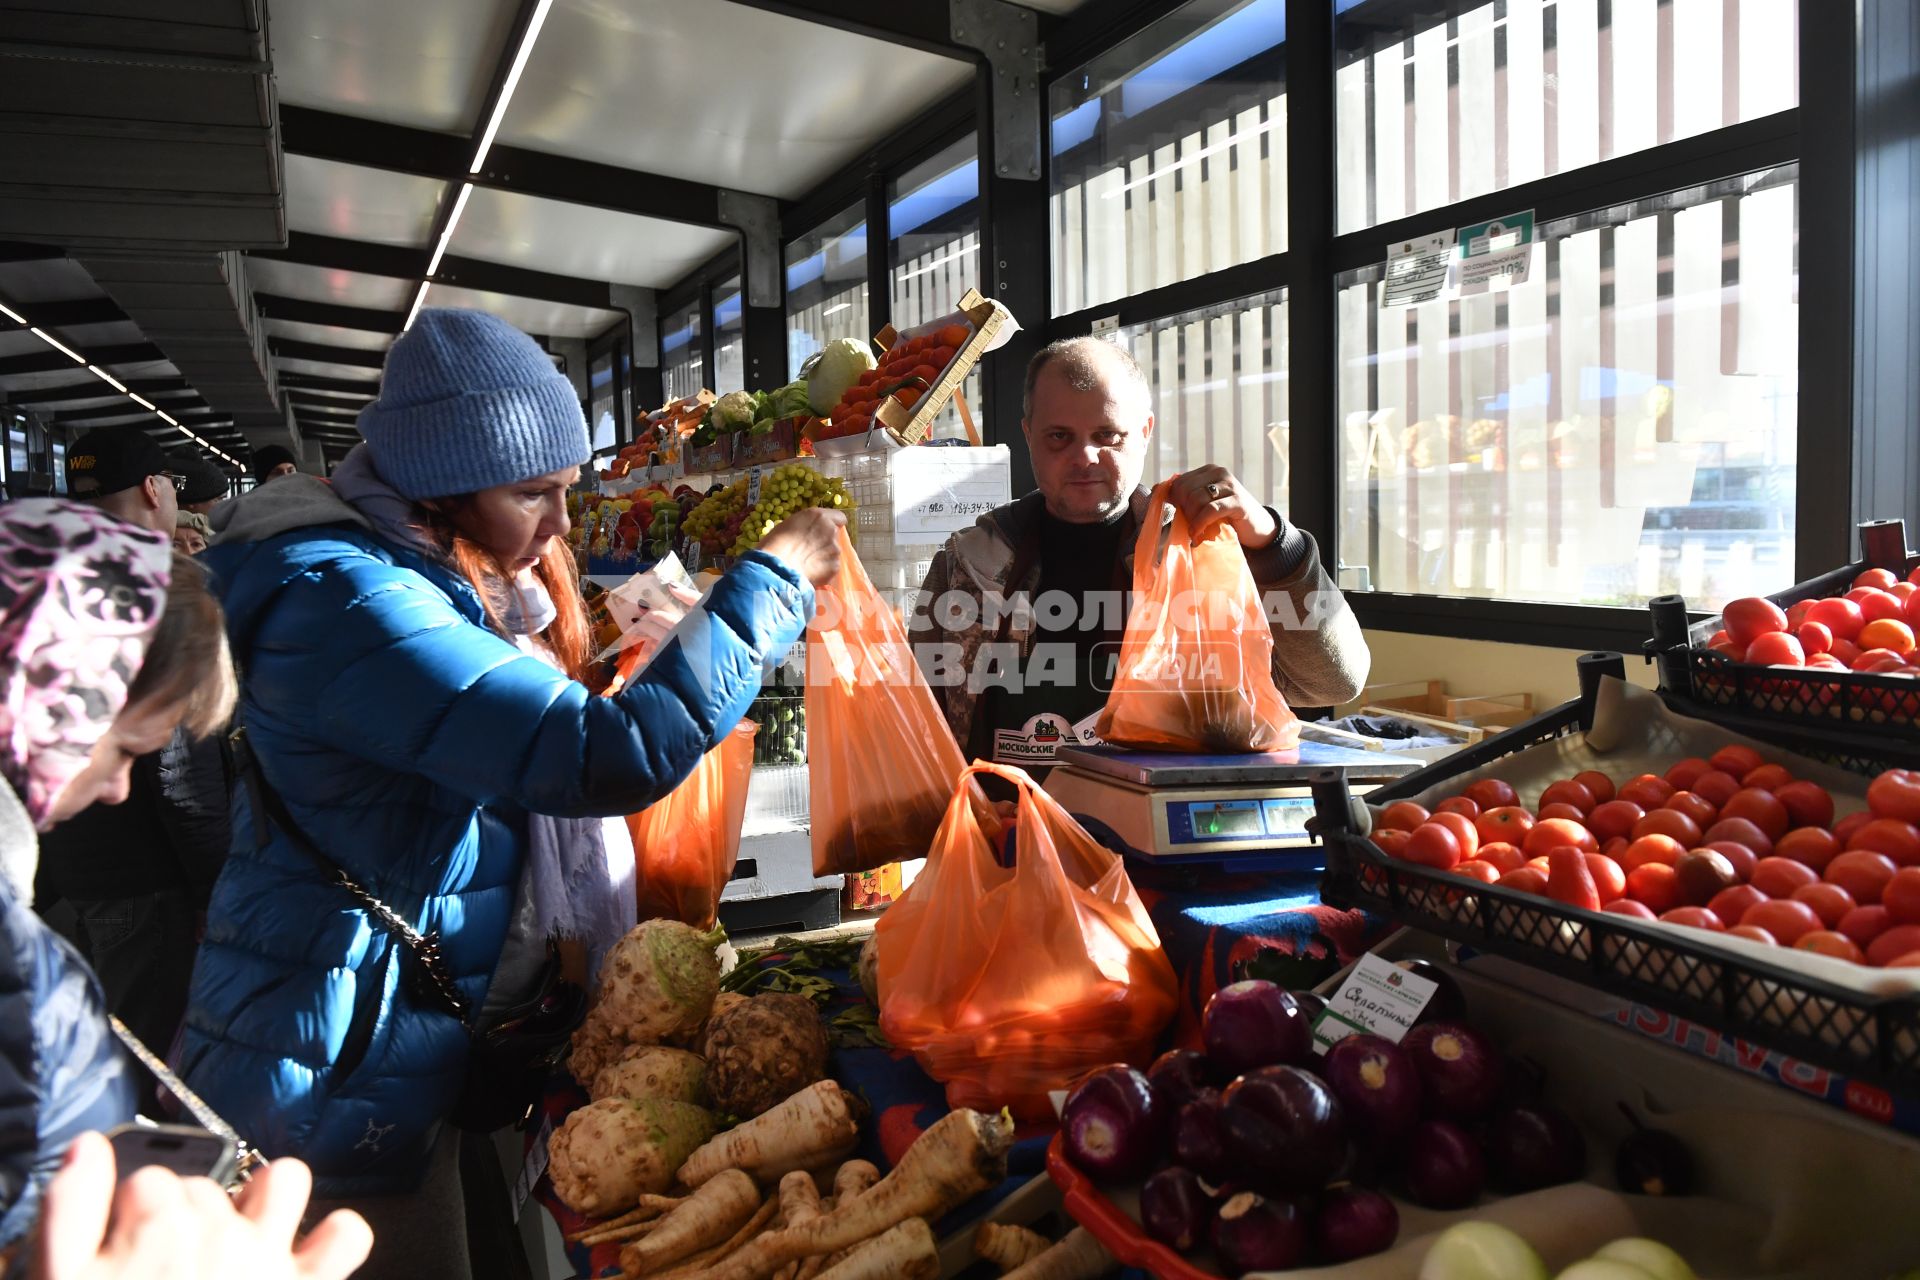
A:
[415,741]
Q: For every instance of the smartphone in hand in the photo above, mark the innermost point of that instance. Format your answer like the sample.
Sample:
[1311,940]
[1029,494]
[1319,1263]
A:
[186,1150]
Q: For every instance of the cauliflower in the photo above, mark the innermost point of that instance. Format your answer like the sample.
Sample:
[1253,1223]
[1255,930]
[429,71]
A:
[734,411]
[836,366]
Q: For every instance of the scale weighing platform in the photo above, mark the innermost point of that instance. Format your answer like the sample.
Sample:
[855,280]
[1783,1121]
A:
[1240,812]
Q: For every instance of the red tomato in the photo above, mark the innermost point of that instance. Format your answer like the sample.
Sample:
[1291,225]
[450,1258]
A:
[1682,774]
[1527,879]
[1843,829]
[1768,777]
[1608,876]
[1894,943]
[1541,863]
[1742,858]
[1879,579]
[1815,846]
[1779,877]
[1906,592]
[1861,873]
[1808,804]
[1875,604]
[1656,885]
[1459,804]
[1566,812]
[1551,833]
[1887,633]
[1475,869]
[1750,617]
[1502,855]
[1694,918]
[1702,810]
[1912,607]
[1864,924]
[1814,637]
[1826,662]
[1909,961]
[1664,850]
[1828,943]
[1732,903]
[1615,848]
[1433,845]
[1898,840]
[1902,896]
[1402,815]
[1741,831]
[1669,822]
[1786,920]
[1717,786]
[1490,793]
[1829,901]
[1760,808]
[1598,783]
[1736,759]
[1614,818]
[1914,577]
[1463,831]
[1392,841]
[1628,907]
[1776,649]
[1753,933]
[1797,613]
[1840,616]
[1844,652]
[1570,793]
[1896,794]
[1508,823]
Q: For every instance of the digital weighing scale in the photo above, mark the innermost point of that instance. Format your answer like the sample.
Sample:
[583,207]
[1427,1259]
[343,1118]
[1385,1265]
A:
[1240,812]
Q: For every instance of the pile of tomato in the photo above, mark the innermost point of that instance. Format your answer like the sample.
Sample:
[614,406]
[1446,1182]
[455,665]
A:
[908,372]
[1872,628]
[1730,844]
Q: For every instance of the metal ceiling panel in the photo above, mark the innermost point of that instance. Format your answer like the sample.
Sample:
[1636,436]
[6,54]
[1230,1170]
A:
[553,319]
[326,284]
[324,368]
[357,203]
[329,335]
[717,93]
[578,240]
[46,280]
[423,63]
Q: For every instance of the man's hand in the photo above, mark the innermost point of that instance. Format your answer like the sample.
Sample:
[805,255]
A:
[158,1226]
[1209,496]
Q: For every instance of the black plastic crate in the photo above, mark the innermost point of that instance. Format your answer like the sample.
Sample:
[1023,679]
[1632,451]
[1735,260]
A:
[1870,1038]
[1699,681]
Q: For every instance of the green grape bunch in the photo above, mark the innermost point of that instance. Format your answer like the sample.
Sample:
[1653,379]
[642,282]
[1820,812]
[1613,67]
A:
[787,490]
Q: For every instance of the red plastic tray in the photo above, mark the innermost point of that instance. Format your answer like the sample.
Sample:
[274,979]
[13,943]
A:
[1113,1226]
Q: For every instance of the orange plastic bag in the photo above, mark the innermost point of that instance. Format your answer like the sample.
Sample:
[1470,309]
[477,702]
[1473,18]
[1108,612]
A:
[1006,983]
[881,761]
[1196,662]
[686,842]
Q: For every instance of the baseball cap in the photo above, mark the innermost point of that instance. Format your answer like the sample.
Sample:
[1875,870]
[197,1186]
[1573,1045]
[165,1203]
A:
[110,459]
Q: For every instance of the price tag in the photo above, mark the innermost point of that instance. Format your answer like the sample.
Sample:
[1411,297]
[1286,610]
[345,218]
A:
[937,492]
[1378,997]
[1417,270]
[753,485]
[531,1169]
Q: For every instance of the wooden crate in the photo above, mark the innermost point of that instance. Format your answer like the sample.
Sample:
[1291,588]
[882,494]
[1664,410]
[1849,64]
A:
[1430,699]
[987,318]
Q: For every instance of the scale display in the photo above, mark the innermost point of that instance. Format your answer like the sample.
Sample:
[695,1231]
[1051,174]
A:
[1201,822]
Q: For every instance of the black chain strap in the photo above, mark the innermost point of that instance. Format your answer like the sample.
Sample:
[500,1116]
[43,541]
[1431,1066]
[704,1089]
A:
[439,987]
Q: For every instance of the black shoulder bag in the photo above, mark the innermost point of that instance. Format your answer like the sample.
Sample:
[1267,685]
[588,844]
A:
[510,1055]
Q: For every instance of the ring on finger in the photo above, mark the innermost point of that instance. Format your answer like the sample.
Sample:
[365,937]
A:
[1214,491]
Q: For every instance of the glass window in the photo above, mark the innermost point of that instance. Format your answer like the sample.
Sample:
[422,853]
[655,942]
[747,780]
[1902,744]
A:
[680,353]
[933,214]
[60,467]
[601,398]
[1621,425]
[1170,154]
[729,339]
[1436,109]
[1219,379]
[827,286]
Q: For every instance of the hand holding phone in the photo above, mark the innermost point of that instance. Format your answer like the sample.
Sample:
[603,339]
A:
[186,1150]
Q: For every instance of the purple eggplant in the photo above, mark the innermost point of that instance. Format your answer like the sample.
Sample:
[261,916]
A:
[1254,1233]
[1176,1209]
[1255,1024]
[1177,1076]
[1441,1167]
[1285,1129]
[1460,1070]
[1112,1127]
[1199,1143]
[1355,1222]
[1534,1146]
[1377,1084]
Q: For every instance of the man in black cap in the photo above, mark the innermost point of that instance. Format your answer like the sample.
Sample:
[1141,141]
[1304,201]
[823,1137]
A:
[124,473]
[207,485]
[270,462]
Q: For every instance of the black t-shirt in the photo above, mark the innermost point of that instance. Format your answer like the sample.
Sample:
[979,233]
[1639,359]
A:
[1054,695]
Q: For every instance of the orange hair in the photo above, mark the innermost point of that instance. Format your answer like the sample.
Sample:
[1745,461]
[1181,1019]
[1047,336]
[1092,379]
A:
[568,636]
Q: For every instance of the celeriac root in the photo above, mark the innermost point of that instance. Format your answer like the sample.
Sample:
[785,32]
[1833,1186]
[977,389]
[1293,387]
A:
[817,1125]
[905,1251]
[1078,1256]
[1007,1246]
[708,1216]
[962,1155]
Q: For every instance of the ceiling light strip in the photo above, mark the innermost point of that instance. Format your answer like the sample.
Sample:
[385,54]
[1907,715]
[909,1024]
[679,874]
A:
[453,220]
[414,311]
[507,87]
[11,314]
[109,379]
[57,345]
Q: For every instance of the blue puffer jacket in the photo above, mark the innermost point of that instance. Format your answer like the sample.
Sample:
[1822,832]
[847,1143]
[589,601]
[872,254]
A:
[409,742]
[61,1070]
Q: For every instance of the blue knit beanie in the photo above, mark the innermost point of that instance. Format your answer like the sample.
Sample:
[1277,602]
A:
[468,402]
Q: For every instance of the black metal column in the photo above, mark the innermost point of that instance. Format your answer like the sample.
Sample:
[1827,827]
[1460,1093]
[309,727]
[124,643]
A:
[1014,270]
[1312,325]
[879,255]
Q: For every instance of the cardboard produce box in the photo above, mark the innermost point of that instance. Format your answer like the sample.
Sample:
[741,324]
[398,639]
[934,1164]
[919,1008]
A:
[988,321]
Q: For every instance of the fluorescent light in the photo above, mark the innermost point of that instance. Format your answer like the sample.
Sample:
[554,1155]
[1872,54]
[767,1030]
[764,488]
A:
[11,314]
[446,237]
[937,263]
[170,420]
[837,307]
[108,378]
[142,401]
[414,310]
[513,79]
[58,345]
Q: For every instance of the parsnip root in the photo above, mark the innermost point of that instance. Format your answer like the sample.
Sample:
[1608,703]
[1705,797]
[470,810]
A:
[706,1257]
[1078,1256]
[1007,1246]
[905,1251]
[709,1216]
[814,1127]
